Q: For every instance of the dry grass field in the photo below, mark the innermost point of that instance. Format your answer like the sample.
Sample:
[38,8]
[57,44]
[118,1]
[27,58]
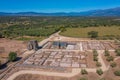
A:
[82,32]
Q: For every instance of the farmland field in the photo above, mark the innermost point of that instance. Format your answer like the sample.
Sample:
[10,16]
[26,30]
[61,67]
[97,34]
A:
[83,32]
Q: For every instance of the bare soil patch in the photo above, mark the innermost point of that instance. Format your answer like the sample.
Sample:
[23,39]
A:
[11,45]
[104,59]
[90,76]
[90,62]
[38,77]
[109,75]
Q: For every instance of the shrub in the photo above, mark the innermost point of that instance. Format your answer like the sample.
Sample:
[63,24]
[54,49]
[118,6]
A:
[83,71]
[95,58]
[117,73]
[113,64]
[110,58]
[83,78]
[12,56]
[99,71]
[102,79]
[1,36]
[98,64]
[117,51]
[106,53]
[95,53]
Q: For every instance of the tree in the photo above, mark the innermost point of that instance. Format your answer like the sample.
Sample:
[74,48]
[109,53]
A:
[83,78]
[95,58]
[117,51]
[98,64]
[102,79]
[6,34]
[95,53]
[93,34]
[83,71]
[106,53]
[12,56]
[110,58]
[1,35]
[62,29]
[117,72]
[113,64]
[99,71]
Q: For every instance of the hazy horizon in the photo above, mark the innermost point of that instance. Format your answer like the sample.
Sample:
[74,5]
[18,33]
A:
[53,6]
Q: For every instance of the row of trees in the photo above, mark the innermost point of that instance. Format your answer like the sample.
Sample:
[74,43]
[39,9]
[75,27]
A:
[109,58]
[95,58]
[98,71]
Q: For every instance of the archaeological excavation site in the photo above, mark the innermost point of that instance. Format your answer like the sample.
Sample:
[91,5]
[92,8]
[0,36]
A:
[64,57]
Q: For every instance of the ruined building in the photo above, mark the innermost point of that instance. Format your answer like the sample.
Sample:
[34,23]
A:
[33,44]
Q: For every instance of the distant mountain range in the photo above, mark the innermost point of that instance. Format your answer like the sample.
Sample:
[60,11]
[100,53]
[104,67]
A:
[105,12]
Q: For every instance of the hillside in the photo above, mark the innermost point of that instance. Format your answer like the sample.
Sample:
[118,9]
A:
[106,12]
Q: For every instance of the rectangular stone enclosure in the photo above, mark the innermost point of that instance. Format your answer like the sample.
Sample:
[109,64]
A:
[81,45]
[58,59]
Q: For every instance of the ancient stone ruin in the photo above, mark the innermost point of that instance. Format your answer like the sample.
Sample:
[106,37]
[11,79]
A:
[33,44]
[2,49]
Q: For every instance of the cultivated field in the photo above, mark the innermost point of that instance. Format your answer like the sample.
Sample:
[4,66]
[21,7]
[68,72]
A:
[82,32]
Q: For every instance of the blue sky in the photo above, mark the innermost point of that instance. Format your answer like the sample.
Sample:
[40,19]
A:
[56,5]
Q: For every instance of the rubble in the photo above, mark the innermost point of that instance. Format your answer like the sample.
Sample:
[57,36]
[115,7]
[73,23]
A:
[33,44]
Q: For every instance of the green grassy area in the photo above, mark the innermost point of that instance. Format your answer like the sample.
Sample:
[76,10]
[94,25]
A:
[30,38]
[83,32]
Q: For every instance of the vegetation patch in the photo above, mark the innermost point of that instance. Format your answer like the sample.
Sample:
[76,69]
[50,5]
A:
[12,56]
[99,71]
[30,38]
[96,32]
[117,72]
